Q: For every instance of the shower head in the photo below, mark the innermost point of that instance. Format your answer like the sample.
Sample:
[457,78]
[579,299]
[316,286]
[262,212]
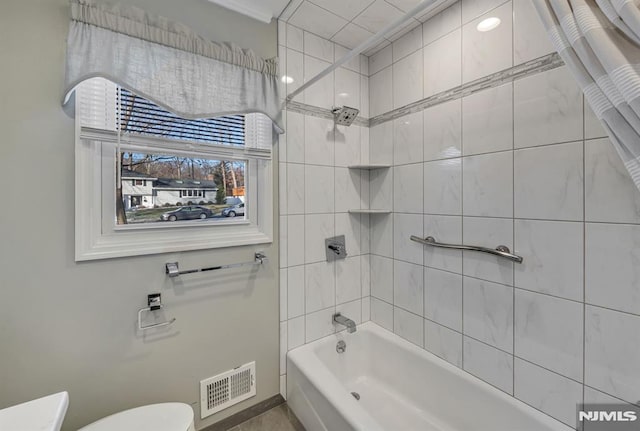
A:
[345,115]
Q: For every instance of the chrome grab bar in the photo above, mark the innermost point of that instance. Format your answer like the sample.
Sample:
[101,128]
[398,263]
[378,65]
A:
[501,250]
[173,270]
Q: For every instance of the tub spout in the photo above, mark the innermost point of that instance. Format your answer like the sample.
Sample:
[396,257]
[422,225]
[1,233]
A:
[343,320]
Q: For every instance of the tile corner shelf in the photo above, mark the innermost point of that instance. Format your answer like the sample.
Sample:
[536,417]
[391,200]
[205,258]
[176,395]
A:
[370,166]
[365,211]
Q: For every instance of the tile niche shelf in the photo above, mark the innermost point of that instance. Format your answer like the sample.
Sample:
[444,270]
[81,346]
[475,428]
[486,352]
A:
[365,211]
[370,167]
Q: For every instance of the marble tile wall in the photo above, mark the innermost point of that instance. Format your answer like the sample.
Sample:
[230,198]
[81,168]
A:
[317,190]
[525,165]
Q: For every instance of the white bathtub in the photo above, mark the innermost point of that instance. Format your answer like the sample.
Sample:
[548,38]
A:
[401,388]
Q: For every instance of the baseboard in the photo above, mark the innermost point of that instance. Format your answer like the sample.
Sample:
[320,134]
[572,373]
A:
[246,414]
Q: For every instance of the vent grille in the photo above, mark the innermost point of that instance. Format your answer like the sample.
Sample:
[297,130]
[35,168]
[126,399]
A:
[226,389]
[218,393]
[240,383]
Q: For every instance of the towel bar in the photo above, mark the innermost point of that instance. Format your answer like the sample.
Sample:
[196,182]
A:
[173,270]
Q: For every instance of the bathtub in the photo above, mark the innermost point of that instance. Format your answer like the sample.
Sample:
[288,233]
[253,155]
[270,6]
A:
[401,387]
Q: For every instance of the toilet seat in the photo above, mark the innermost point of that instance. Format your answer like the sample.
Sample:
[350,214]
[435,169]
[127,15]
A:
[154,417]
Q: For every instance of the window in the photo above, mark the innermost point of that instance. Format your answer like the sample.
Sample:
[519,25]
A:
[167,192]
[148,181]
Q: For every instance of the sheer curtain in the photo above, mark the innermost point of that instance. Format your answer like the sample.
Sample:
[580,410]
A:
[599,40]
[168,63]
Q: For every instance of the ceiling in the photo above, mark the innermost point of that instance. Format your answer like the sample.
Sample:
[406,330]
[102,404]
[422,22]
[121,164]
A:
[351,22]
[262,10]
[346,22]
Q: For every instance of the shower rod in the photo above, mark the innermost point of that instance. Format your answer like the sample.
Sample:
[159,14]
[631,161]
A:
[372,41]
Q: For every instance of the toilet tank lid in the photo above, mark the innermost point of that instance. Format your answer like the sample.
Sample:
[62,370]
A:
[154,417]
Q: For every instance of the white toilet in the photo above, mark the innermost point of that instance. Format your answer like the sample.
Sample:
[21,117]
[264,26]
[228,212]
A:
[154,417]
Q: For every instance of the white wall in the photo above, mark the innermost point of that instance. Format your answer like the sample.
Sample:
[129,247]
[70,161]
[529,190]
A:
[172,197]
[130,189]
[524,164]
[71,326]
[316,192]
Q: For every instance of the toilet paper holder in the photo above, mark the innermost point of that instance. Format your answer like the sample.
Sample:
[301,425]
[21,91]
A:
[154,302]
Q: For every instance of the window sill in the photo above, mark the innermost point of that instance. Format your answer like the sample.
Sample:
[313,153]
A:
[180,224]
[127,243]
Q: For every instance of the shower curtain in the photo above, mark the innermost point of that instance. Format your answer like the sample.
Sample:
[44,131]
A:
[599,40]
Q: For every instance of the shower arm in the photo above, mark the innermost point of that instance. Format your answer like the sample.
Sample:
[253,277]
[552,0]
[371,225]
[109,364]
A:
[372,41]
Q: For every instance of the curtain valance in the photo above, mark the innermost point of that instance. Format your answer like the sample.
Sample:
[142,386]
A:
[167,63]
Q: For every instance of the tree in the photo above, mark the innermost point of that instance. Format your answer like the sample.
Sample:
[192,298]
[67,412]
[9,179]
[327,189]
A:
[220,195]
[121,215]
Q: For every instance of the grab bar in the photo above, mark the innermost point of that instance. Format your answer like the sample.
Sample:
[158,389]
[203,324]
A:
[173,270]
[501,250]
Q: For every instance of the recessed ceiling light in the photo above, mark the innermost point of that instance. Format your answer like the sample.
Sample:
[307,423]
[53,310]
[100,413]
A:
[287,79]
[343,94]
[488,24]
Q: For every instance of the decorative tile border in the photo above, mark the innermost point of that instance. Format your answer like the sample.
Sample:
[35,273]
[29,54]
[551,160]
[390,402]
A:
[542,64]
[548,62]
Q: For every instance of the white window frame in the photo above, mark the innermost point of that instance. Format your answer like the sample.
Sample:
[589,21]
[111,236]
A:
[98,236]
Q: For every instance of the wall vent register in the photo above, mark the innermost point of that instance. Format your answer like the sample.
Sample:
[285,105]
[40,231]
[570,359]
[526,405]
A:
[227,389]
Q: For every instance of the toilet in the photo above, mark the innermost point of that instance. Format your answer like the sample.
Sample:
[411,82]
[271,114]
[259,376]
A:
[154,417]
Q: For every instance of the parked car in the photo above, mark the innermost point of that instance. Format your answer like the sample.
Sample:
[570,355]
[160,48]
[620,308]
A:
[187,213]
[232,200]
[234,210]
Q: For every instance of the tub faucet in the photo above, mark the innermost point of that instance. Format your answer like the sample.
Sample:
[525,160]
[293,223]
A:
[343,320]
